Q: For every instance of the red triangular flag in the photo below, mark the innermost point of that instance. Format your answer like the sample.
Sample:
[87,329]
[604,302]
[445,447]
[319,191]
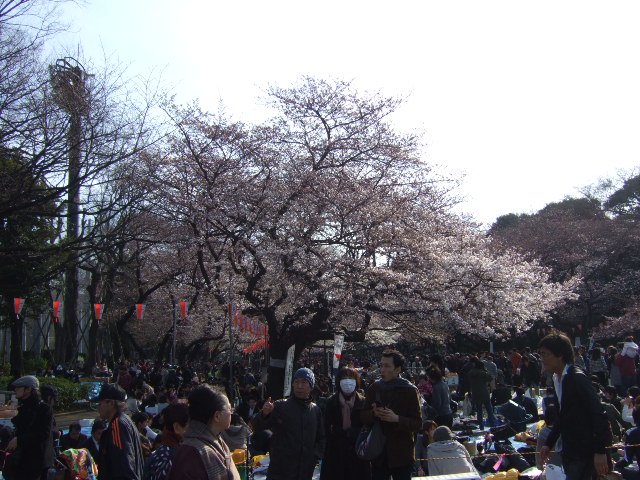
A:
[18,303]
[184,306]
[140,307]
[56,309]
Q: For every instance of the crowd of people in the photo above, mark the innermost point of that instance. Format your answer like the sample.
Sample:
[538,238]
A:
[160,422]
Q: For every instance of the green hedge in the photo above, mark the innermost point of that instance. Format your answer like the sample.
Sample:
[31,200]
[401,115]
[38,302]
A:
[68,391]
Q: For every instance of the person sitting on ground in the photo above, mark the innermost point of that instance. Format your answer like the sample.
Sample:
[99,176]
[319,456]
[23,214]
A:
[632,450]
[527,403]
[141,421]
[237,434]
[447,456]
[611,396]
[628,403]
[502,393]
[74,439]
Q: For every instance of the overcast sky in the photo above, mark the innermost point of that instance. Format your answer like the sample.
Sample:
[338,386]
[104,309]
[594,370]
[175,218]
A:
[528,100]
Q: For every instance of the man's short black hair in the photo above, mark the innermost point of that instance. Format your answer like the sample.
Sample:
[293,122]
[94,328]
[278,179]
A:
[610,389]
[396,356]
[75,427]
[139,417]
[559,345]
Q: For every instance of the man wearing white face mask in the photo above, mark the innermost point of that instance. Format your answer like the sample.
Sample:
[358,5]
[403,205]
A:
[342,425]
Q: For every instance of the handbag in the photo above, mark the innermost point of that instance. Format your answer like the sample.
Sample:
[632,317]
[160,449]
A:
[370,442]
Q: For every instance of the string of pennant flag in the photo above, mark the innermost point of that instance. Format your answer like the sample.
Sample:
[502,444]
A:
[241,323]
[254,328]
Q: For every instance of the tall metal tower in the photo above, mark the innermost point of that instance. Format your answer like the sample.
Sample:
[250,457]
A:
[69,82]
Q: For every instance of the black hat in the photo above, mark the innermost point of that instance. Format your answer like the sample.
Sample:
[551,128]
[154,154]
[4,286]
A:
[110,391]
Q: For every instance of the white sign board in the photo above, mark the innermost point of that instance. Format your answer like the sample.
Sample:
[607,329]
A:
[288,371]
[338,343]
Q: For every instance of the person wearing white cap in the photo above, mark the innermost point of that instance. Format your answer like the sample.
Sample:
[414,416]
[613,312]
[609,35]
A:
[32,447]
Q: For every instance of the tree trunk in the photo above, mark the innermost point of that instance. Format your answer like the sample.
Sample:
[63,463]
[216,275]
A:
[15,356]
[276,369]
[92,354]
[162,350]
[116,345]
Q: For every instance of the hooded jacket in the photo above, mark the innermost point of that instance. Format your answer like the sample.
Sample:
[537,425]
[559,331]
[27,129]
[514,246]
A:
[448,466]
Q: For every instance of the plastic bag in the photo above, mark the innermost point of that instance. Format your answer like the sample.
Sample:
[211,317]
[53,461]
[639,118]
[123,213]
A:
[554,472]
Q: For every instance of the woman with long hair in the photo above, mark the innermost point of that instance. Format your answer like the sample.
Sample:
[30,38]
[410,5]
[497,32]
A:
[342,425]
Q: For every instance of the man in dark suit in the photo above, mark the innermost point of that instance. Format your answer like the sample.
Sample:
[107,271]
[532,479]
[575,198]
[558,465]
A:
[583,422]
[248,408]
[93,442]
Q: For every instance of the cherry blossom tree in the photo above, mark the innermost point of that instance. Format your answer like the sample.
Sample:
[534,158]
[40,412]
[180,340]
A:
[619,327]
[325,219]
[578,238]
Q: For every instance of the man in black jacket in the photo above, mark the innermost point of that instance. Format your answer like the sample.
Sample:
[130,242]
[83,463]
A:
[298,431]
[93,442]
[583,422]
[120,456]
[32,446]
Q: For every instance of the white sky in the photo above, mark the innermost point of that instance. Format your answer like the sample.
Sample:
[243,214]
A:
[528,100]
